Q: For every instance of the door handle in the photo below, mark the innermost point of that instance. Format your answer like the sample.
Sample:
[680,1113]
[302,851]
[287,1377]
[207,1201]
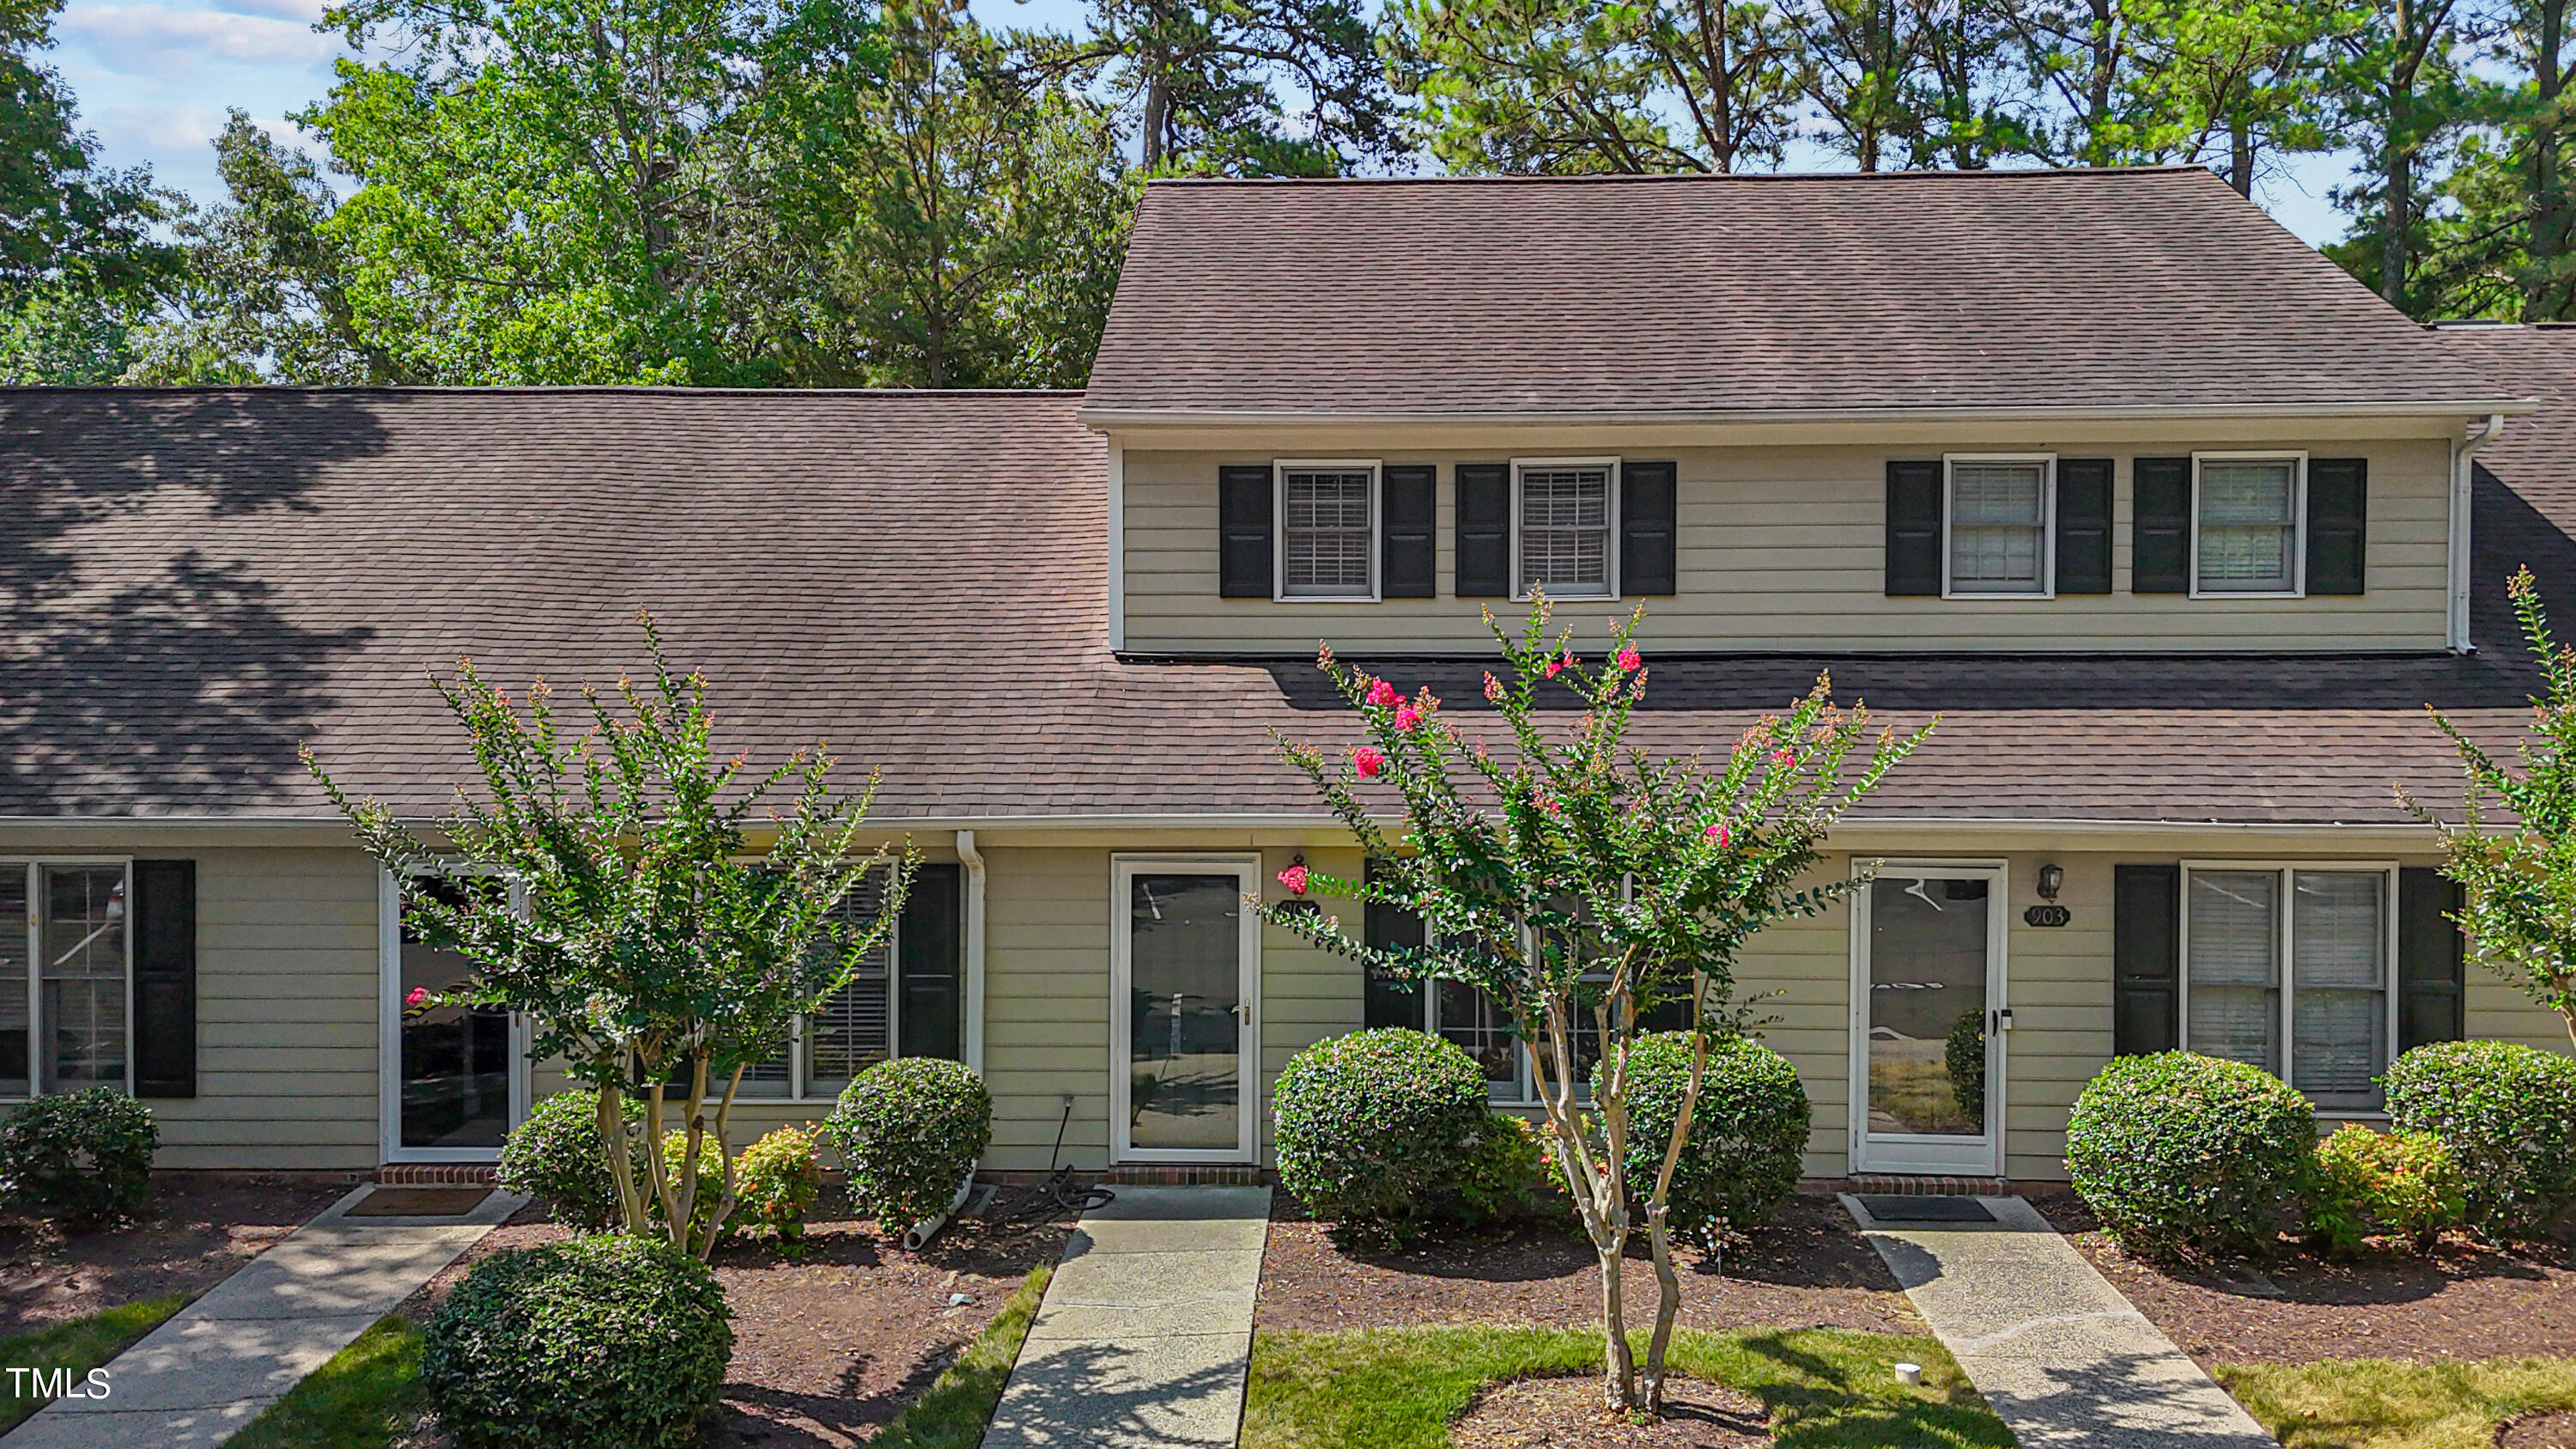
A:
[1999,1021]
[1243,1012]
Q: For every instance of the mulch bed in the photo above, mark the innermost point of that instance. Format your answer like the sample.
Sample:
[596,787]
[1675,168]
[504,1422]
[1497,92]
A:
[2462,1301]
[1809,1269]
[1566,1413]
[2540,1431]
[834,1336]
[198,1228]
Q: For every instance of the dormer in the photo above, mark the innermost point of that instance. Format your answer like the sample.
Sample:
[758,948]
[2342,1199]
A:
[2092,410]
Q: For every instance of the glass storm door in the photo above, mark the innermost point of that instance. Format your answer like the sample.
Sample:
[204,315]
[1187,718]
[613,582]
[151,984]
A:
[1927,986]
[1187,973]
[459,1082]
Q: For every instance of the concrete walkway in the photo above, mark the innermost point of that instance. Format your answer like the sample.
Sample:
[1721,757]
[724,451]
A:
[1146,1329]
[2058,1353]
[218,1362]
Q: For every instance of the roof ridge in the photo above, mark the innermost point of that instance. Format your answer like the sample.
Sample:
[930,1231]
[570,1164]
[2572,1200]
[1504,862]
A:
[1671,177]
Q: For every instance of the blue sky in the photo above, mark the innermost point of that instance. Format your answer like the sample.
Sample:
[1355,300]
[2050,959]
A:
[154,77]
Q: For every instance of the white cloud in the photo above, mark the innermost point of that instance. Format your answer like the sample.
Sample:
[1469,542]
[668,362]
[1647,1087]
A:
[148,40]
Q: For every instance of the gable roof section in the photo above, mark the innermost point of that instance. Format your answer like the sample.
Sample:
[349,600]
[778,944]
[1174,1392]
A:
[2536,454]
[198,582]
[2091,291]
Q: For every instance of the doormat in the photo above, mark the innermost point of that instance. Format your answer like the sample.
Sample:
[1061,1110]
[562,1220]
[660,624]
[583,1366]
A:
[419,1202]
[1919,1208]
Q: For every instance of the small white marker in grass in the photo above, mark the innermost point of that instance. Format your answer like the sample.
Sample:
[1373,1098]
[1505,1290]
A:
[1909,1373]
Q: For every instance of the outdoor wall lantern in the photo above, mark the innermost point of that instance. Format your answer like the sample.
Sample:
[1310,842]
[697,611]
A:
[2051,877]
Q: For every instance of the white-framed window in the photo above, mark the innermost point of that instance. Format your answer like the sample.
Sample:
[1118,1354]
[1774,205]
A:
[1998,525]
[1565,523]
[1328,534]
[2248,524]
[2288,967]
[66,983]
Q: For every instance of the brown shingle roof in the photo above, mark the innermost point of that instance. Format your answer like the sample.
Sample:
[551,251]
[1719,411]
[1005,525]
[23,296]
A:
[198,582]
[2142,288]
[2536,455]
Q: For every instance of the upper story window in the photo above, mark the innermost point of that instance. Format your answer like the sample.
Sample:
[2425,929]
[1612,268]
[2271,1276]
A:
[2246,519]
[1328,530]
[1998,519]
[1563,520]
[2287,969]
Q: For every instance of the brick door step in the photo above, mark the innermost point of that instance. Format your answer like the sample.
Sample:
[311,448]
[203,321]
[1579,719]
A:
[435,1174]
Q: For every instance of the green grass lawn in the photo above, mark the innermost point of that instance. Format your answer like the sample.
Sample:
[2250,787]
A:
[1398,1388]
[365,1397]
[2375,1404]
[77,1346]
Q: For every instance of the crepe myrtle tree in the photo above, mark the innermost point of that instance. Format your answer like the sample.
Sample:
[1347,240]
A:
[2518,883]
[674,913]
[1581,883]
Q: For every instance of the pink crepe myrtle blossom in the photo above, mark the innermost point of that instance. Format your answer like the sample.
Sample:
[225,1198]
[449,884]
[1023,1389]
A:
[1720,834]
[1629,658]
[1368,762]
[418,998]
[1783,758]
[1493,688]
[1382,694]
[1406,716]
[1294,878]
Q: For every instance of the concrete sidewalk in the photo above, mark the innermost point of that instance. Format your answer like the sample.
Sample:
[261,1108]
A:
[217,1363]
[2055,1349]
[1146,1329]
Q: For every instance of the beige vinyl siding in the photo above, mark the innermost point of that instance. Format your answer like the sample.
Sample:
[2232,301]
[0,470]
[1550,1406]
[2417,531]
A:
[286,1003]
[1784,548]
[1046,1004]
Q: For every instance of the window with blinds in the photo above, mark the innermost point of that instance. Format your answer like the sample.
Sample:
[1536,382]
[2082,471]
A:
[1327,532]
[855,1028]
[1998,523]
[2245,526]
[1565,529]
[2305,998]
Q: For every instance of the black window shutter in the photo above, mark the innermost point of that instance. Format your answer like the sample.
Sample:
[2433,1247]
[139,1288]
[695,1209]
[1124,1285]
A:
[2084,525]
[165,978]
[1243,531]
[2146,958]
[1408,558]
[1913,527]
[929,964]
[2430,959]
[1484,530]
[1648,523]
[2338,524]
[1391,1002]
[2160,540]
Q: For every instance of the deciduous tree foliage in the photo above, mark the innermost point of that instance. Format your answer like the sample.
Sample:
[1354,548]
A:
[1580,882]
[77,255]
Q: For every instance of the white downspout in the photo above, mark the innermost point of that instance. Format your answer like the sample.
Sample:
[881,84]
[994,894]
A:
[974,864]
[2461,468]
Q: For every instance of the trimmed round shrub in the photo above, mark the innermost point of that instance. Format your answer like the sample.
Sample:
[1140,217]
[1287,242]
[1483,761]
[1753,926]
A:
[2508,1115]
[2183,1155]
[2383,1184]
[596,1343]
[555,1155]
[1748,1132]
[908,1132]
[1376,1129]
[82,1157]
[776,1180]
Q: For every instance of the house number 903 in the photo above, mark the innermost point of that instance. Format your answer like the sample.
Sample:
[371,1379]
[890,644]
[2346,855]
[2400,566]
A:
[2047,916]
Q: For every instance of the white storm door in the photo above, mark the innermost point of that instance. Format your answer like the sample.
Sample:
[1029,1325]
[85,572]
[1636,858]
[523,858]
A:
[1184,1020]
[1928,1019]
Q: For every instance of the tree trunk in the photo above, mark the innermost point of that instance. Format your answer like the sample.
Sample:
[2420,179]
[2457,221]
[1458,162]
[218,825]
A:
[631,1209]
[1668,1285]
[2397,165]
[2548,201]
[1158,117]
[2240,157]
[1605,1216]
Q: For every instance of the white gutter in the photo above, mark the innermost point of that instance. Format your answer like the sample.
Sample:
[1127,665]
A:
[2458,560]
[974,1042]
[1114,417]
